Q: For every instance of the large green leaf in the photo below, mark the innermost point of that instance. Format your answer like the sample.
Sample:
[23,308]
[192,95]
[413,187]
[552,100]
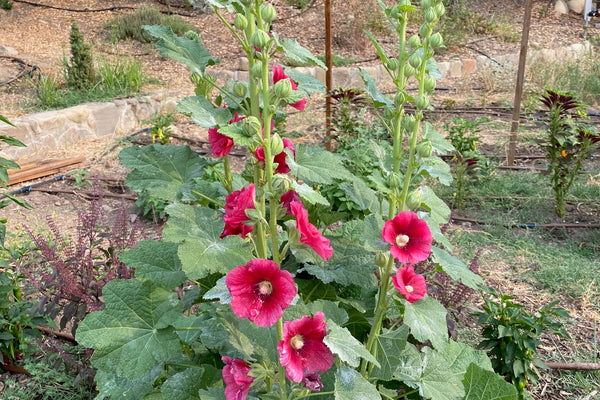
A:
[389,348]
[3,119]
[482,384]
[365,197]
[456,268]
[307,83]
[296,52]
[317,166]
[351,385]
[133,334]
[191,52]
[186,384]
[157,262]
[112,386]
[380,50]
[203,112]
[436,168]
[379,99]
[426,319]
[341,342]
[201,251]
[371,237]
[308,194]
[459,356]
[438,210]
[163,171]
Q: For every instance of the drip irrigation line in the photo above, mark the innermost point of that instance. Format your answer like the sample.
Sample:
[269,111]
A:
[87,10]
[29,188]
[526,225]
[26,69]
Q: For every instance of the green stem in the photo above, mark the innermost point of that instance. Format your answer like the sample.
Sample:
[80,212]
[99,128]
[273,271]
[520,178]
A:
[282,381]
[316,394]
[243,42]
[228,177]
[205,197]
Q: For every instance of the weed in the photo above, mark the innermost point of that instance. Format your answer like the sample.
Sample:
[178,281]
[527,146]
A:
[6,5]
[161,127]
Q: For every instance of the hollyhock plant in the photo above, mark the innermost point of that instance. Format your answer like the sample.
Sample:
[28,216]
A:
[260,291]
[221,145]
[302,351]
[278,75]
[409,236]
[282,167]
[410,284]
[236,204]
[309,234]
[236,378]
[287,199]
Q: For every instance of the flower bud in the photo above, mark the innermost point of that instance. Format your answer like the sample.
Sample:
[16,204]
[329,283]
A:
[252,125]
[408,122]
[408,71]
[414,199]
[404,3]
[399,99]
[393,64]
[395,12]
[191,35]
[426,4]
[424,149]
[424,30]
[422,102]
[393,180]
[436,40]
[429,84]
[267,12]
[239,89]
[431,15]
[440,9]
[276,144]
[388,113]
[381,260]
[240,22]
[257,69]
[260,39]
[415,60]
[283,88]
[414,41]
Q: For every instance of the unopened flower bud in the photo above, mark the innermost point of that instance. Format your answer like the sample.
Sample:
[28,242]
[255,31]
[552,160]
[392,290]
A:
[395,12]
[283,88]
[429,84]
[252,125]
[260,39]
[431,15]
[191,35]
[276,144]
[422,102]
[239,89]
[393,64]
[414,41]
[436,40]
[408,122]
[388,113]
[267,12]
[399,99]
[414,199]
[425,4]
[393,180]
[408,71]
[424,30]
[424,149]
[257,69]
[415,60]
[380,260]
[240,22]
[404,3]
[440,9]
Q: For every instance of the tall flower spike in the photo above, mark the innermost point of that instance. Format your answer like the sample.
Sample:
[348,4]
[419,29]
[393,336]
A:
[235,376]
[411,285]
[260,291]
[302,351]
[409,236]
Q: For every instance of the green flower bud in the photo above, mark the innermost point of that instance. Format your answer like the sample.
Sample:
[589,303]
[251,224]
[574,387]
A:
[257,69]
[267,12]
[252,125]
[429,84]
[430,15]
[426,4]
[191,35]
[408,122]
[381,260]
[414,41]
[283,88]
[424,149]
[276,144]
[399,99]
[408,71]
[424,30]
[436,40]
[240,22]
[239,89]
[415,60]
[394,180]
[422,102]
[260,39]
[388,113]
[393,64]
[414,199]
[404,3]
[440,9]
[395,12]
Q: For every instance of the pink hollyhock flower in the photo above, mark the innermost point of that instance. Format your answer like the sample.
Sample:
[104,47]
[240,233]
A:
[282,167]
[309,233]
[235,376]
[302,351]
[220,145]
[236,204]
[411,285]
[287,199]
[278,75]
[260,291]
[409,236]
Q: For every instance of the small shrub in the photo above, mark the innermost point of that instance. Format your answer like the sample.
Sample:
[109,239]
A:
[6,5]
[79,70]
[129,26]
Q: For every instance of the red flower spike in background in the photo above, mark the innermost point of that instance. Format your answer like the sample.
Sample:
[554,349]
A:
[282,167]
[236,204]
[220,145]
[409,236]
[302,351]
[260,291]
[235,376]
[411,285]
[278,75]
[309,234]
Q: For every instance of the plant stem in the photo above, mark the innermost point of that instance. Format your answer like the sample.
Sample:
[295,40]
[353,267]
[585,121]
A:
[282,381]
[228,178]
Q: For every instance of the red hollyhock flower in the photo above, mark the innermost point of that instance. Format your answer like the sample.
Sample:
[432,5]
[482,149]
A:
[235,376]
[220,145]
[287,199]
[282,167]
[278,75]
[302,351]
[409,236]
[309,233]
[411,285]
[260,291]
[236,204]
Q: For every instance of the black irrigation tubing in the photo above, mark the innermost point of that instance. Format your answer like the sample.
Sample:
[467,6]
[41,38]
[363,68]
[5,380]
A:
[29,188]
[527,225]
[87,10]
[26,69]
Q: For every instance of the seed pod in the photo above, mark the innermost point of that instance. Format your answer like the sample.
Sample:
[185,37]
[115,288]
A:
[276,144]
[436,40]
[393,64]
[283,88]
[430,15]
[239,89]
[267,12]
[422,102]
[415,60]
[424,149]
[260,39]
[240,22]
[414,41]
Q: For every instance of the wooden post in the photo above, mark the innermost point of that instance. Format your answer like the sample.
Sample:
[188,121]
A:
[329,73]
[512,142]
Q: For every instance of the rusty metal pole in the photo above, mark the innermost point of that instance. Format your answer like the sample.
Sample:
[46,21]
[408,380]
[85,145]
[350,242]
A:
[512,142]
[328,74]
